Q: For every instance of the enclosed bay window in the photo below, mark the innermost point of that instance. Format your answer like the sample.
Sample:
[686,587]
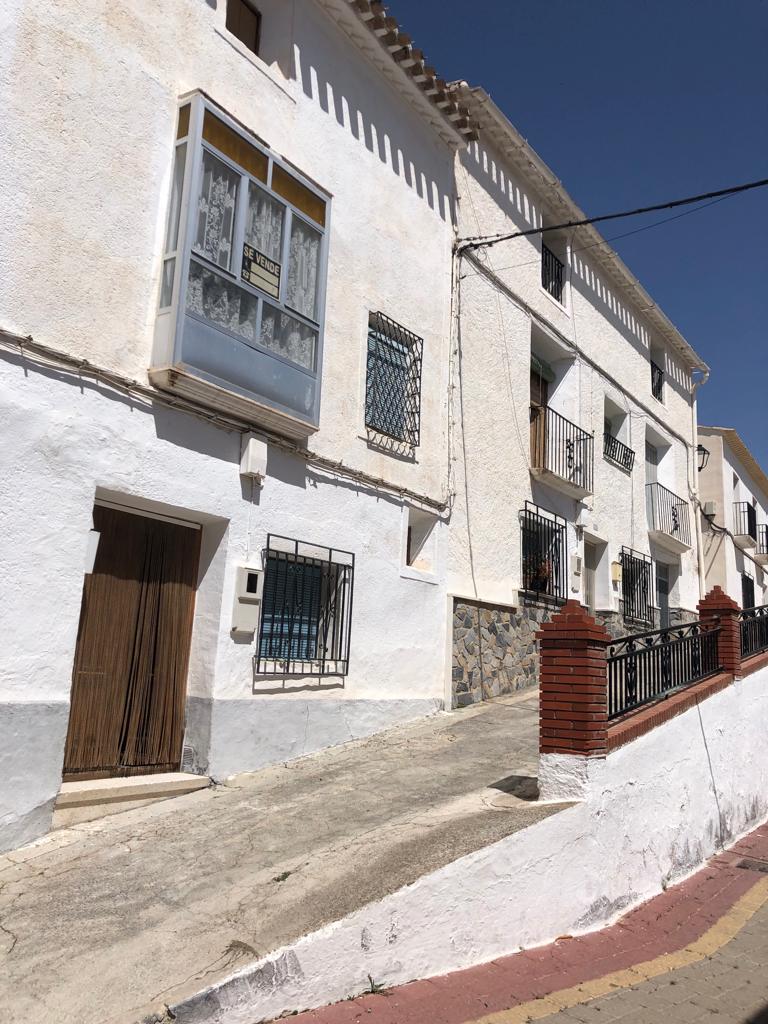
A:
[243,276]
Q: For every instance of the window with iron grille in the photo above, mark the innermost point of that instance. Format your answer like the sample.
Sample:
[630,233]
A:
[306,609]
[657,381]
[552,273]
[747,590]
[393,382]
[543,543]
[636,585]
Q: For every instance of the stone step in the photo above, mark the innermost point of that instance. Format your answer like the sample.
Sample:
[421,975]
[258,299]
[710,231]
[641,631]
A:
[95,798]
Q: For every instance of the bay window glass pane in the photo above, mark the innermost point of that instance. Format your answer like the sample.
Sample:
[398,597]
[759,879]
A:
[166,289]
[172,227]
[264,224]
[303,262]
[216,210]
[288,337]
[221,302]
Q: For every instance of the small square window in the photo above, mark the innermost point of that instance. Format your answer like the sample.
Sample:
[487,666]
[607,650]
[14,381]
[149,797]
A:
[244,22]
[393,382]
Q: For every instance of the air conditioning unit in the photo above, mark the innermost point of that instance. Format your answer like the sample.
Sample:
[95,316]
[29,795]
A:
[709,509]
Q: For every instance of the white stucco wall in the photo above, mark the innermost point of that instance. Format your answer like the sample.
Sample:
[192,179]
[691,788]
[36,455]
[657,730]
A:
[608,344]
[724,560]
[87,146]
[651,813]
[96,188]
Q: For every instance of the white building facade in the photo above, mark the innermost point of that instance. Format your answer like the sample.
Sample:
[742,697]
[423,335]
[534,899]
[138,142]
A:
[734,517]
[227,257]
[575,420]
[290,462]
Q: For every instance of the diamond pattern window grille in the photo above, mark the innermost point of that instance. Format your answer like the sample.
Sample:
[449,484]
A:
[393,381]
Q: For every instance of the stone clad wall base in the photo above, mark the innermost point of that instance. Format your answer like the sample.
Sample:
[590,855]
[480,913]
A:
[494,649]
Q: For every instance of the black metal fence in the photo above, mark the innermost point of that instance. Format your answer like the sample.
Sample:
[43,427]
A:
[647,666]
[544,551]
[562,447]
[657,381]
[637,586]
[306,611]
[745,520]
[668,513]
[762,539]
[552,273]
[754,630]
[617,452]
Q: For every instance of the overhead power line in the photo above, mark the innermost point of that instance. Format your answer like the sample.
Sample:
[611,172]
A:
[483,241]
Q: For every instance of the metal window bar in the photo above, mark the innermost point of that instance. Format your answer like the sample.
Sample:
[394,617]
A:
[561,447]
[668,513]
[753,624]
[645,667]
[636,585]
[617,452]
[745,520]
[543,547]
[306,613]
[552,274]
[393,381]
[762,539]
[657,381]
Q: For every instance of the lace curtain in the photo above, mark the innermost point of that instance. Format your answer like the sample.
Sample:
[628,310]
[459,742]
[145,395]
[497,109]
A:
[222,303]
[216,210]
[264,226]
[301,289]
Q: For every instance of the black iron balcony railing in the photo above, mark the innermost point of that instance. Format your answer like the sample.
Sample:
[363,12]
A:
[754,630]
[617,452]
[552,273]
[762,539]
[647,666]
[561,447]
[745,520]
[657,381]
[668,513]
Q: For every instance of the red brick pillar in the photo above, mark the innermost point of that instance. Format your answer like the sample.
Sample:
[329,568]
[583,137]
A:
[573,684]
[718,609]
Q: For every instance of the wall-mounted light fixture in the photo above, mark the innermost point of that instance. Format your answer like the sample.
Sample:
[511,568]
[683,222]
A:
[703,454]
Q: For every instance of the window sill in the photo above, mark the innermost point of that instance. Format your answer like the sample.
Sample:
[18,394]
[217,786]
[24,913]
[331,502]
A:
[257,62]
[558,305]
[408,572]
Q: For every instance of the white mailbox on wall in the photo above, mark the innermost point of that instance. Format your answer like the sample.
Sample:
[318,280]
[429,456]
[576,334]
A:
[249,588]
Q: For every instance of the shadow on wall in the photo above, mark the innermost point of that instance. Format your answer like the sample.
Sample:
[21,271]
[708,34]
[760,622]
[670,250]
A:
[399,139]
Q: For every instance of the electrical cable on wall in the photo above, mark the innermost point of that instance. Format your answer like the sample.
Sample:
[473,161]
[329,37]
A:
[484,241]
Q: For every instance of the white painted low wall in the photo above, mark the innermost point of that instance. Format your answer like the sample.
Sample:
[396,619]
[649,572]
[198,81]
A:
[653,811]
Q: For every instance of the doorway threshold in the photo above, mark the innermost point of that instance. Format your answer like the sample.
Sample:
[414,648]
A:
[82,801]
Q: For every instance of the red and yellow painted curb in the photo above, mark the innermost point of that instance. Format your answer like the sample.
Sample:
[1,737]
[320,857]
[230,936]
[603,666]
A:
[720,933]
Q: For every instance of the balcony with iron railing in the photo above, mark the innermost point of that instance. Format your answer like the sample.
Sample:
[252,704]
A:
[552,274]
[561,452]
[657,381]
[617,452]
[761,551]
[744,525]
[669,521]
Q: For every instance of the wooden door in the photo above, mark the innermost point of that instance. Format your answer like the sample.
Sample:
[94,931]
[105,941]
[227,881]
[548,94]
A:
[130,668]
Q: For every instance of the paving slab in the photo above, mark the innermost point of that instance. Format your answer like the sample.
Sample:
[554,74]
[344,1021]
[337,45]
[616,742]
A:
[107,921]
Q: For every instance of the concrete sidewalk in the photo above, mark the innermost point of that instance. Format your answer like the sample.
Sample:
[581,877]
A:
[111,920]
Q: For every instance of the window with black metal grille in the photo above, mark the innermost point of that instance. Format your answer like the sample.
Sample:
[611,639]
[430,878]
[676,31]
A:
[393,383]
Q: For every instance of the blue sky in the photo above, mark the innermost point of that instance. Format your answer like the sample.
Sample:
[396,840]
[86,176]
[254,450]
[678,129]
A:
[633,102]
